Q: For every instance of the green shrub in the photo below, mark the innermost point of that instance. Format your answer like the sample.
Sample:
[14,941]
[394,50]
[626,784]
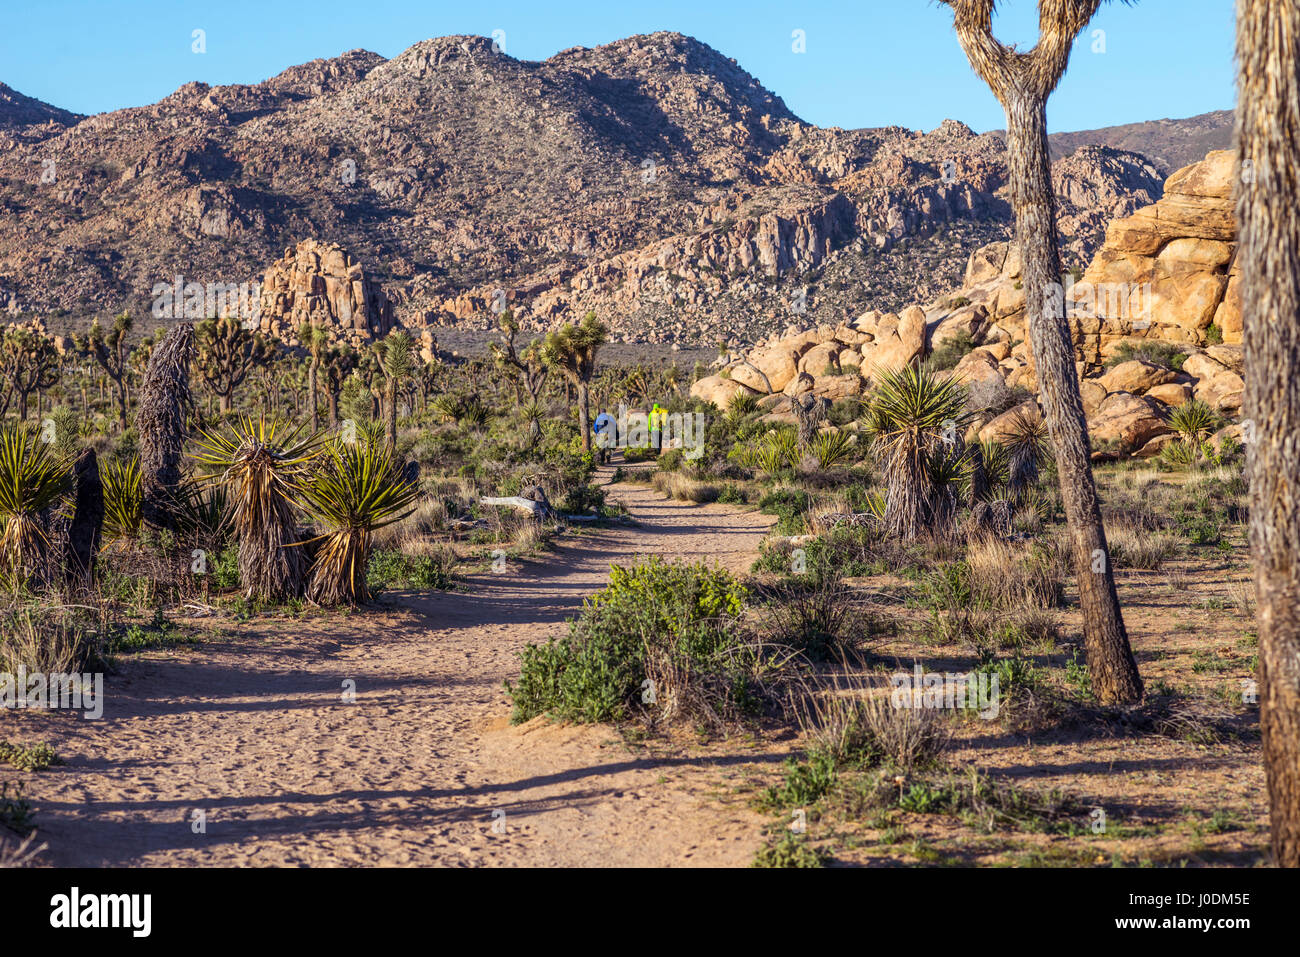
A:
[790,851]
[732,495]
[660,634]
[390,568]
[951,351]
[789,505]
[38,757]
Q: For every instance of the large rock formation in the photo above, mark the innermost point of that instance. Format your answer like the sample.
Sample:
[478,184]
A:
[321,284]
[1165,274]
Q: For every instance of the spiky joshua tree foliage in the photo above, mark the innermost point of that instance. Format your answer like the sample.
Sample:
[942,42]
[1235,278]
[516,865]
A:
[32,480]
[572,349]
[265,466]
[355,493]
[915,418]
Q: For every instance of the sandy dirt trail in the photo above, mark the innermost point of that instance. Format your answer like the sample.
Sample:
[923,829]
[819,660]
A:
[252,731]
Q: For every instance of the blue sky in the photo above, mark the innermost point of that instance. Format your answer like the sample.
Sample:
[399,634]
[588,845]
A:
[867,62]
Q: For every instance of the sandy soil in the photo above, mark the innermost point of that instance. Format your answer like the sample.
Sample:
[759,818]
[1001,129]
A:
[252,731]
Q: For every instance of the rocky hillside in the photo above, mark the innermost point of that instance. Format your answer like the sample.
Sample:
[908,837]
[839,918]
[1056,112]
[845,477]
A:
[1169,144]
[1164,283]
[652,180]
[25,120]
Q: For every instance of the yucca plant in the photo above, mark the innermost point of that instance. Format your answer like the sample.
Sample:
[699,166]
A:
[1194,421]
[742,404]
[831,448]
[370,432]
[914,414]
[446,407]
[745,455]
[123,500]
[202,510]
[354,494]
[264,465]
[473,414]
[32,480]
[946,468]
[778,451]
[1027,449]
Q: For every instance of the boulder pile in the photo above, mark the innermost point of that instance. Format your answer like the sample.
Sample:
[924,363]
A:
[1164,283]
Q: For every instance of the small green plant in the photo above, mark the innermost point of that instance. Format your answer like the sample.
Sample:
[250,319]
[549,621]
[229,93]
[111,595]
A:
[790,851]
[15,810]
[36,757]
[1078,678]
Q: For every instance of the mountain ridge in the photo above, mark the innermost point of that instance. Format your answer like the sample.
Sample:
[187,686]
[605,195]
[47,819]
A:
[652,180]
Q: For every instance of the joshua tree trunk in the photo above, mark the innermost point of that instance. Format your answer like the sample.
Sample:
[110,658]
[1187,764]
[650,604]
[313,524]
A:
[165,404]
[584,414]
[1268,195]
[313,370]
[1111,665]
[1022,82]
[87,521]
[390,413]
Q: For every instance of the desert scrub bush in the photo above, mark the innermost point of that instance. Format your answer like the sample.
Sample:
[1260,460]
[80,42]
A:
[790,850]
[1009,575]
[671,461]
[789,506]
[663,638]
[1131,548]
[583,499]
[389,568]
[1164,354]
[906,737]
[677,486]
[157,633]
[802,782]
[51,640]
[15,810]
[820,619]
[993,806]
[731,494]
[951,351]
[36,757]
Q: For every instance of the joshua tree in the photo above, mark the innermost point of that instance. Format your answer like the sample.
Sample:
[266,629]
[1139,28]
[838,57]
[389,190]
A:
[227,353]
[316,340]
[916,417]
[264,467]
[111,353]
[28,363]
[573,349]
[87,521]
[339,361]
[1267,196]
[396,362]
[526,370]
[165,405]
[1022,83]
[353,495]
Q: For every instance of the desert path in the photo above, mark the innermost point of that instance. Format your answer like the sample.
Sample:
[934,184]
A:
[243,752]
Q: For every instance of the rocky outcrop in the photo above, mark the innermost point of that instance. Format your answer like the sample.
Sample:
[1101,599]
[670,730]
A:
[1180,252]
[1164,274]
[320,283]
